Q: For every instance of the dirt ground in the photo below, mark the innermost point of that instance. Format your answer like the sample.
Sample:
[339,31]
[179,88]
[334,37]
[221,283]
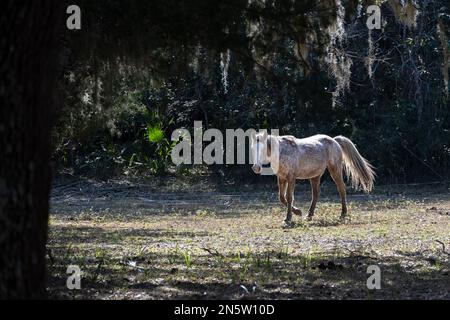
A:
[195,241]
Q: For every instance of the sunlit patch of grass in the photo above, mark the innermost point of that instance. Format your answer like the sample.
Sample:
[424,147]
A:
[204,213]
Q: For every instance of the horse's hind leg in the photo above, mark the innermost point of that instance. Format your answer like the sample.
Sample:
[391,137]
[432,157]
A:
[282,184]
[315,190]
[336,174]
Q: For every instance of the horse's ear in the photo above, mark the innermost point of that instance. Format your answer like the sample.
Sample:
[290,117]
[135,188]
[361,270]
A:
[269,146]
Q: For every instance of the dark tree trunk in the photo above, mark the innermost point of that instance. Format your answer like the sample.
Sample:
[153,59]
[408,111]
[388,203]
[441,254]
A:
[28,86]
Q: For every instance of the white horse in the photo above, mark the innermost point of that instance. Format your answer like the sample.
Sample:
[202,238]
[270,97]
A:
[308,158]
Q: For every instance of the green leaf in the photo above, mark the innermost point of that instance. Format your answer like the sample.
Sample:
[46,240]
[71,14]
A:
[154,134]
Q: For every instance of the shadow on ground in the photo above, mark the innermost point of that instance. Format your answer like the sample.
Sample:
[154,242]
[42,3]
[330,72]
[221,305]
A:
[268,274]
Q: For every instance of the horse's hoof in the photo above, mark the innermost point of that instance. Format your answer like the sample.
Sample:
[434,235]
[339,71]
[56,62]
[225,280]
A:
[288,224]
[344,218]
[297,212]
[309,217]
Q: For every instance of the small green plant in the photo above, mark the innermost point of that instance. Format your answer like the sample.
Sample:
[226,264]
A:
[284,252]
[267,262]
[187,259]
[154,133]
[172,257]
[159,146]
[141,251]
[238,256]
[100,254]
[307,259]
[69,252]
[158,165]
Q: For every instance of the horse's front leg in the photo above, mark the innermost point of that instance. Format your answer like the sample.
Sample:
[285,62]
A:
[289,200]
[282,184]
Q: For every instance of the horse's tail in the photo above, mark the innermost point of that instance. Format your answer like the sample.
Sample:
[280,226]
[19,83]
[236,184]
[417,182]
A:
[358,169]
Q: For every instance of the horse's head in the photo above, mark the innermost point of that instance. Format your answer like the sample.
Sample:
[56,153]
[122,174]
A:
[261,150]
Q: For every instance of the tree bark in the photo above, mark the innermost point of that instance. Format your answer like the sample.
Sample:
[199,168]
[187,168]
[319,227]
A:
[28,87]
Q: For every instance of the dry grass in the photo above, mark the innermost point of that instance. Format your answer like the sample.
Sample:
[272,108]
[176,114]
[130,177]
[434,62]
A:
[224,249]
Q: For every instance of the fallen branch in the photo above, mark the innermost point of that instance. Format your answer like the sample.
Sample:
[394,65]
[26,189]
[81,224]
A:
[213,252]
[359,254]
[443,247]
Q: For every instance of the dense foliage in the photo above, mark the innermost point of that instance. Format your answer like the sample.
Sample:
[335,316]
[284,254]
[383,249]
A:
[140,69]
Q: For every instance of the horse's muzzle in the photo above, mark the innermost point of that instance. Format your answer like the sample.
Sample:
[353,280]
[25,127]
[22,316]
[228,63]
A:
[256,168]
